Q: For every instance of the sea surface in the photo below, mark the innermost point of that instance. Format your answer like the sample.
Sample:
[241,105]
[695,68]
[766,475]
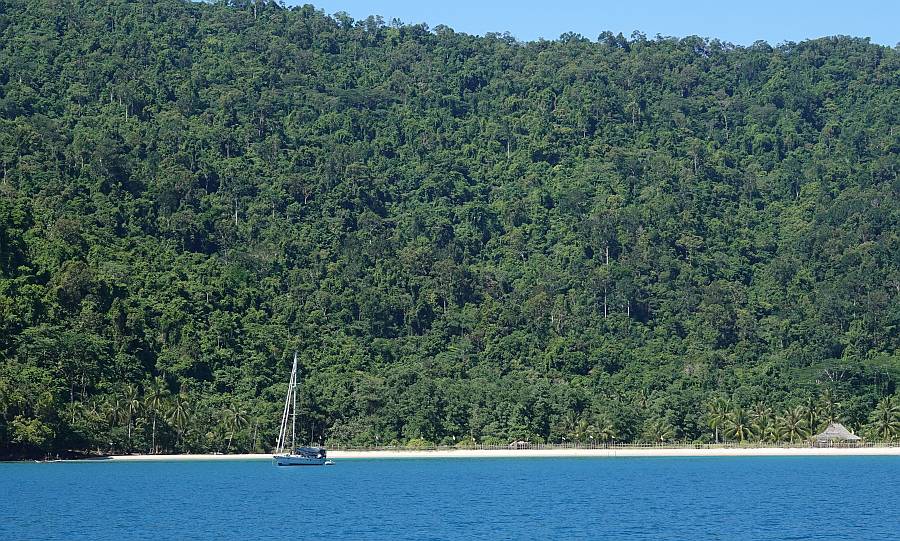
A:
[492,498]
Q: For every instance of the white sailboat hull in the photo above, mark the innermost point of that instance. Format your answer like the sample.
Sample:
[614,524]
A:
[298,460]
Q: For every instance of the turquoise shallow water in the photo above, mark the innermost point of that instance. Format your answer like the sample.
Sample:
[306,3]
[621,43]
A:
[640,498]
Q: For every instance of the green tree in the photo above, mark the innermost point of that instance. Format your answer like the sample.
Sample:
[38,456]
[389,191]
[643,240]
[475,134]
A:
[884,422]
[738,425]
[829,408]
[812,414]
[791,425]
[155,403]
[131,404]
[235,419]
[606,430]
[765,429]
[717,416]
[659,431]
[179,414]
[31,434]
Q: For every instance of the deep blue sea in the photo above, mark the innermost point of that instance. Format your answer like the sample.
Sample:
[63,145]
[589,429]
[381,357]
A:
[494,498]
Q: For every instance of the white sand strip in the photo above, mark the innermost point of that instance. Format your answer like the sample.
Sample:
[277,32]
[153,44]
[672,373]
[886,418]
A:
[537,453]
[622,452]
[176,458]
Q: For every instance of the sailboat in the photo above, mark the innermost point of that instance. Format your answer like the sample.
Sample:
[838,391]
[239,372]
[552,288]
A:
[293,455]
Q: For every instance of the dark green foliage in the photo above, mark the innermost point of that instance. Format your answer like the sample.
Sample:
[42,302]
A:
[466,238]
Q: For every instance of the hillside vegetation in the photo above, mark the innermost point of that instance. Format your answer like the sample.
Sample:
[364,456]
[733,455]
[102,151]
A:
[465,238]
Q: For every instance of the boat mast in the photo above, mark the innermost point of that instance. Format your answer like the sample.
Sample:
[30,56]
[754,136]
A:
[282,434]
[294,413]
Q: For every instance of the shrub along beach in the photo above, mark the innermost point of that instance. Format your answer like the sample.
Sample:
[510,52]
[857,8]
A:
[468,239]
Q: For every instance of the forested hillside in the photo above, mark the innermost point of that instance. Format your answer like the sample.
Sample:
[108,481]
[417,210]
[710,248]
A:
[466,238]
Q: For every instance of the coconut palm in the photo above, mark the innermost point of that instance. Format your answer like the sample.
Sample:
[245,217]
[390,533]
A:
[605,429]
[114,410]
[93,414]
[759,410]
[791,425]
[73,409]
[234,419]
[885,419]
[583,430]
[131,403]
[828,408]
[154,402]
[738,425]
[812,414]
[716,415]
[257,420]
[659,431]
[764,428]
[568,422]
[179,414]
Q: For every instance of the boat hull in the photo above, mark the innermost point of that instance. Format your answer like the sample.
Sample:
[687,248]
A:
[298,460]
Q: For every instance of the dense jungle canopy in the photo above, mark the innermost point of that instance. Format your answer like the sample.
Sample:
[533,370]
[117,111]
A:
[466,238]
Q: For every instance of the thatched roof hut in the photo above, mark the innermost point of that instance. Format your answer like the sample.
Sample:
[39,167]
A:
[835,432]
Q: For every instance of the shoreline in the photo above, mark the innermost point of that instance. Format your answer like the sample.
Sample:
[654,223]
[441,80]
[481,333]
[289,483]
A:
[535,453]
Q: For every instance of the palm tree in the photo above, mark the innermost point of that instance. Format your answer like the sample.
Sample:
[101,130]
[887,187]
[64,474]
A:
[154,401]
[738,425]
[828,407]
[257,419]
[582,430]
[114,410]
[568,423]
[73,408]
[764,428]
[885,419]
[811,414]
[761,421]
[131,403]
[716,415]
[660,431]
[791,424]
[179,414]
[605,429]
[235,419]
[759,410]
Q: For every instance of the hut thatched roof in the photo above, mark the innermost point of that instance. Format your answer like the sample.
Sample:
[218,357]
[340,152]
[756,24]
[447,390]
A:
[836,432]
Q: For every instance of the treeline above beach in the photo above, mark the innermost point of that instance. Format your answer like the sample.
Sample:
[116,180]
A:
[467,239]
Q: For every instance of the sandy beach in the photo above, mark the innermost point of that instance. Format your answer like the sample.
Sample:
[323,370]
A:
[551,453]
